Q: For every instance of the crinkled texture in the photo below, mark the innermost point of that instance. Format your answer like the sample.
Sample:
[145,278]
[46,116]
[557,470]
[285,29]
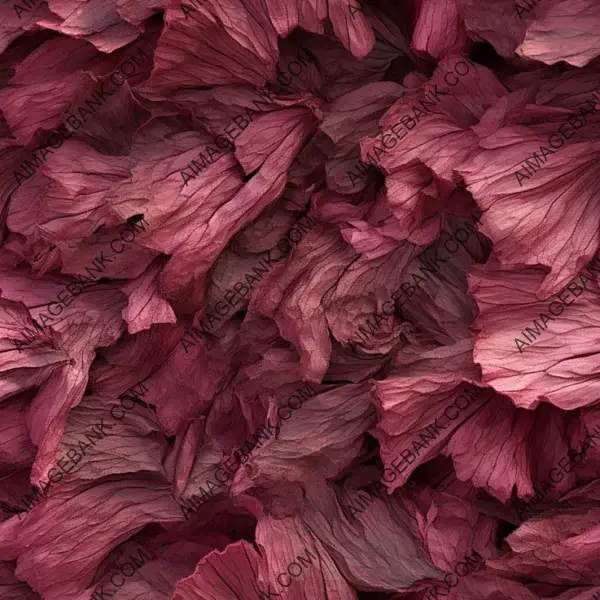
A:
[146,306]
[408,403]
[25,239]
[13,589]
[442,309]
[196,458]
[221,574]
[449,526]
[22,370]
[244,35]
[161,568]
[548,31]
[287,298]
[558,361]
[216,53]
[576,24]
[180,390]
[106,248]
[349,118]
[559,226]
[76,205]
[65,72]
[439,29]
[557,548]
[16,449]
[206,216]
[94,320]
[284,540]
[18,18]
[481,23]
[360,290]
[301,344]
[134,443]
[325,435]
[494,447]
[136,13]
[309,535]
[584,496]
[97,21]
[103,515]
[133,359]
[413,198]
[362,547]
[45,82]
[483,135]
[255,247]
[455,111]
[11,155]
[340,72]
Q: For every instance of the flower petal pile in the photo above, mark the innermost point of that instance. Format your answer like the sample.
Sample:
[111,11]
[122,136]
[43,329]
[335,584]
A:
[299,300]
